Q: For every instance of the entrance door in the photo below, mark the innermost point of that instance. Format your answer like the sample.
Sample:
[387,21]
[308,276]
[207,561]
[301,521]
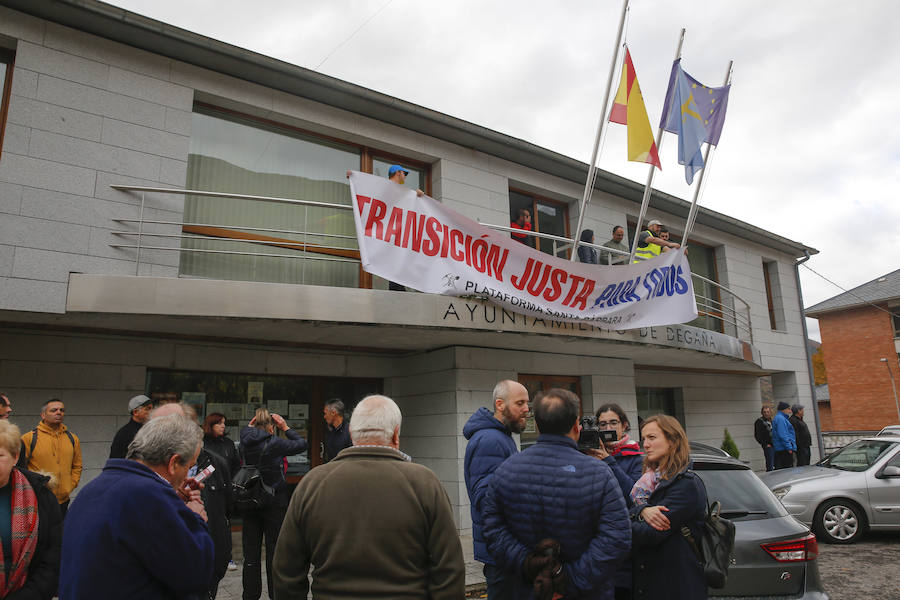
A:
[299,399]
[540,383]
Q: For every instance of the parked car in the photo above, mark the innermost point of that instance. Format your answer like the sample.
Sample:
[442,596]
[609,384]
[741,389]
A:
[774,555]
[855,489]
[889,430]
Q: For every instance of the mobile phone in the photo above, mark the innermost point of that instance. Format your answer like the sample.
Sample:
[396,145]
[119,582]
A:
[199,477]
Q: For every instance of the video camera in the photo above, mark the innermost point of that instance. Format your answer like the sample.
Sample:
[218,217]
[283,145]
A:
[591,435]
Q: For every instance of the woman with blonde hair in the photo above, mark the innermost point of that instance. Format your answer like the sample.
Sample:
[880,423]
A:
[30,526]
[667,498]
[260,446]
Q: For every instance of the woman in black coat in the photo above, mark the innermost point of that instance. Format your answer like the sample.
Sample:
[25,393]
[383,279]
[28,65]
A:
[216,496]
[260,446]
[215,440]
[666,497]
[586,254]
[22,492]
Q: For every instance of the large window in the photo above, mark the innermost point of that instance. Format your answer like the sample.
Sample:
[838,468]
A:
[260,240]
[539,383]
[774,298]
[547,216]
[7,60]
[703,262]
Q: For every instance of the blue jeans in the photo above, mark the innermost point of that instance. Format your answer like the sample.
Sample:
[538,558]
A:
[769,451]
[499,585]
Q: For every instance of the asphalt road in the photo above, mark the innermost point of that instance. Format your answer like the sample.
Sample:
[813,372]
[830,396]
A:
[868,569]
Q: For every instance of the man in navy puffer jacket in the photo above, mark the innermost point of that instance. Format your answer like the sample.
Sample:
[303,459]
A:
[490,443]
[551,490]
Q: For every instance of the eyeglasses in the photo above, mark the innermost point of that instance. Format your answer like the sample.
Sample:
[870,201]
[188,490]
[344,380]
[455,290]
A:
[613,423]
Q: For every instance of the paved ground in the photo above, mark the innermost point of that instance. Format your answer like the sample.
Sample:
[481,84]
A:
[868,569]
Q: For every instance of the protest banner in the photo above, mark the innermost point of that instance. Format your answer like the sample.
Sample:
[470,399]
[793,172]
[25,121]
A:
[419,243]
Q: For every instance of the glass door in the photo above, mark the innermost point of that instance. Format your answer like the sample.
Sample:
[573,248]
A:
[539,383]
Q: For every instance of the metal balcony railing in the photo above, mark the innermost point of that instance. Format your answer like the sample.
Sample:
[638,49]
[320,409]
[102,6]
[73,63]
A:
[729,311]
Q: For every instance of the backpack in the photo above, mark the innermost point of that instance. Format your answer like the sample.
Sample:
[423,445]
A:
[715,548]
[34,433]
[248,489]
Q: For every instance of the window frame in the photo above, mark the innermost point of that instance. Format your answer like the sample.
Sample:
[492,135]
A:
[534,242]
[366,156]
[7,62]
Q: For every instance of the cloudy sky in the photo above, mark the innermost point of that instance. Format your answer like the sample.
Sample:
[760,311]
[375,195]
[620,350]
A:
[810,147]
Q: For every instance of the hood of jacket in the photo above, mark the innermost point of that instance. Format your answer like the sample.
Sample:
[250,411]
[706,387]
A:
[482,419]
[250,436]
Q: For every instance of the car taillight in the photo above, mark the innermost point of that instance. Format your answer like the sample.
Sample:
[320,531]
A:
[794,550]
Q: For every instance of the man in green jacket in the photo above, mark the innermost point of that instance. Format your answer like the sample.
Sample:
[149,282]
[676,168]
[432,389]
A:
[373,523]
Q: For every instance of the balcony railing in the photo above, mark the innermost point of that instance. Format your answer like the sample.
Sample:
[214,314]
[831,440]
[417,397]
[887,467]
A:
[730,312]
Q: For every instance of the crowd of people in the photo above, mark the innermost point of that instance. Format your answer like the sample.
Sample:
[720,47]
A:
[785,439]
[551,521]
[554,521]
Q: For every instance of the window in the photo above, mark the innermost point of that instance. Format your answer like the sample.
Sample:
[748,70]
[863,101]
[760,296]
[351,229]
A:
[538,383]
[7,61]
[895,316]
[268,240]
[774,297]
[655,401]
[547,216]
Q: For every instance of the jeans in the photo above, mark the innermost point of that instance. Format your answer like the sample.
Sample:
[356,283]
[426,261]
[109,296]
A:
[769,453]
[499,586]
[258,523]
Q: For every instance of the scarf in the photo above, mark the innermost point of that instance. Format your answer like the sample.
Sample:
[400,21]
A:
[23,505]
[644,487]
[626,443]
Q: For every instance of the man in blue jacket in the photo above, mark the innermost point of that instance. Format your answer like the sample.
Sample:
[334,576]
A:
[784,438]
[129,534]
[551,490]
[490,443]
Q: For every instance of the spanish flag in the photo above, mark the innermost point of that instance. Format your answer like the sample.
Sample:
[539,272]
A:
[628,109]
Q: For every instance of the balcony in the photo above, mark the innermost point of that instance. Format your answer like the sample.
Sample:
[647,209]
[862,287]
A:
[252,271]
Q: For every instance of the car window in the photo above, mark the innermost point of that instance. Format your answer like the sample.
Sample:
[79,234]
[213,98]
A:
[858,455]
[742,494]
[894,462]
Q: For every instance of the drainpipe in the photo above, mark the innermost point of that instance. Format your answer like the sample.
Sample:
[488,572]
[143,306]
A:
[809,365]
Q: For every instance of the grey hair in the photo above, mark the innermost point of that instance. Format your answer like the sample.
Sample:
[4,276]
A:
[337,405]
[164,437]
[375,418]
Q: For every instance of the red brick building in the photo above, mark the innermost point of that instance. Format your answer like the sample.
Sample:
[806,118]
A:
[859,329]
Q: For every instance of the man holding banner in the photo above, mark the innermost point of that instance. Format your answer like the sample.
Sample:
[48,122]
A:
[650,245]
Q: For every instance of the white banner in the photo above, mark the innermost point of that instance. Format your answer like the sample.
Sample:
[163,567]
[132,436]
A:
[417,242]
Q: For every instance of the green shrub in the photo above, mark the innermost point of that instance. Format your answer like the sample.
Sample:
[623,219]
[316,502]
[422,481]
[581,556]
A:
[729,446]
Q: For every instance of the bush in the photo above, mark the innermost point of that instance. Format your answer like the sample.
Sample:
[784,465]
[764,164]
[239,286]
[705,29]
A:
[729,446]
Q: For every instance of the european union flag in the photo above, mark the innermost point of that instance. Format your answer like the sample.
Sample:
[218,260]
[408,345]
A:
[696,113]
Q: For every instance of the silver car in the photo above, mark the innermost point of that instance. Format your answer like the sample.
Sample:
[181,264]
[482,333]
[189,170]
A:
[855,489]
[774,555]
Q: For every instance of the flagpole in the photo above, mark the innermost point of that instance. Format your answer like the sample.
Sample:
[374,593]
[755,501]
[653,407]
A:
[645,200]
[601,127]
[692,214]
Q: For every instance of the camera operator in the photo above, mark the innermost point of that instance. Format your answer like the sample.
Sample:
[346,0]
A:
[623,455]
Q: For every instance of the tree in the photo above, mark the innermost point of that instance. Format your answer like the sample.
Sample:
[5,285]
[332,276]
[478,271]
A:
[729,445]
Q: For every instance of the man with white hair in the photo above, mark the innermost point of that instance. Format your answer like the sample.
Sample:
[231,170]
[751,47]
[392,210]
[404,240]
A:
[371,522]
[129,535]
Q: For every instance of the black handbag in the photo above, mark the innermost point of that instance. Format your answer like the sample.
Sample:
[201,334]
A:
[715,548]
[249,491]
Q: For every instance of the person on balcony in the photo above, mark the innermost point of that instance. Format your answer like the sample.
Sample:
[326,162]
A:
[650,245]
[523,222]
[611,258]
[586,254]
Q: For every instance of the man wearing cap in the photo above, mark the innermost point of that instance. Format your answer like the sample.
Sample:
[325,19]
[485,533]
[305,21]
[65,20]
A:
[784,439]
[139,407]
[804,439]
[650,245]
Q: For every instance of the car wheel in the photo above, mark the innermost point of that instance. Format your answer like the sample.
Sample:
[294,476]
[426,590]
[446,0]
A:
[839,522]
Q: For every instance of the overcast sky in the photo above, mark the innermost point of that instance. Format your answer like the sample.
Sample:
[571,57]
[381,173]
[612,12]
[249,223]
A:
[811,143]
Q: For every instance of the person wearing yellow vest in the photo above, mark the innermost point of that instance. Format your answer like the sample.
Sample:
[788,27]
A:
[650,245]
[53,449]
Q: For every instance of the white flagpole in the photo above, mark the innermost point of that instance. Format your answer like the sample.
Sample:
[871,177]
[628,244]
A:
[692,214]
[645,201]
[601,128]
